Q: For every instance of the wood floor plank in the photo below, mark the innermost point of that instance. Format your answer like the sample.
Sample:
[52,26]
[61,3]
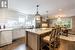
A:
[16,45]
[20,44]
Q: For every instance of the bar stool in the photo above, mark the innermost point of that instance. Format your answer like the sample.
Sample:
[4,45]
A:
[51,40]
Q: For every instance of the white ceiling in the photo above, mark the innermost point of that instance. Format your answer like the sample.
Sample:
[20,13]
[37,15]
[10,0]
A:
[52,6]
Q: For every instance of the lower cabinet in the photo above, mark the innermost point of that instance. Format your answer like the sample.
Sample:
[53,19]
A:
[5,37]
[18,33]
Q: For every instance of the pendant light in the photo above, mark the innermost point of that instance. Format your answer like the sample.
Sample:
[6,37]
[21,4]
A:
[47,15]
[37,15]
[38,18]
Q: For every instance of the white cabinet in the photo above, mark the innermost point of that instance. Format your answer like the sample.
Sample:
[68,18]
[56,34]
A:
[18,33]
[5,37]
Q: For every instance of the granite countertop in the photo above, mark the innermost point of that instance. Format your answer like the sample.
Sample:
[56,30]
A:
[12,28]
[6,29]
[69,38]
[39,30]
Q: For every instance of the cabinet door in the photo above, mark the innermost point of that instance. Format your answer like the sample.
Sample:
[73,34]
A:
[6,37]
[3,3]
[18,33]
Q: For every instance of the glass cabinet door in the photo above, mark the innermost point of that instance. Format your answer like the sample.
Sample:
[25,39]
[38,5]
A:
[3,3]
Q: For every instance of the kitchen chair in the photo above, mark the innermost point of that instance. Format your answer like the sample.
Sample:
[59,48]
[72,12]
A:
[51,41]
[65,32]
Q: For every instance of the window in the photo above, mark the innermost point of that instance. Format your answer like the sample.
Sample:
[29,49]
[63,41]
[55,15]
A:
[4,3]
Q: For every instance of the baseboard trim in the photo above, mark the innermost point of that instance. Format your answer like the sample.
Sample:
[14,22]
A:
[18,39]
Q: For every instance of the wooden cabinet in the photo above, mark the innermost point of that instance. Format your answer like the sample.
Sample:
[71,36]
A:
[66,45]
[41,22]
[45,23]
[73,24]
[5,37]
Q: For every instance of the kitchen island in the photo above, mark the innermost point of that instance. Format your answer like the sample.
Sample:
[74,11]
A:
[33,37]
[67,43]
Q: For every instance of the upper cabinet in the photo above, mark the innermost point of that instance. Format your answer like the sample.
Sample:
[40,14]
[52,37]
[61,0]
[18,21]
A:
[45,23]
[41,22]
[3,3]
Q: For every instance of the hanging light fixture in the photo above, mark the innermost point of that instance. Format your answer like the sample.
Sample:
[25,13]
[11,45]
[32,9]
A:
[38,18]
[47,15]
[37,15]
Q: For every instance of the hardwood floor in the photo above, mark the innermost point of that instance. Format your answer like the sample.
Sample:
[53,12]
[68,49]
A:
[18,44]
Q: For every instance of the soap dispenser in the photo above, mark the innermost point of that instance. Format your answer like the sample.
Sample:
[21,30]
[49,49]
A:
[0,26]
[4,26]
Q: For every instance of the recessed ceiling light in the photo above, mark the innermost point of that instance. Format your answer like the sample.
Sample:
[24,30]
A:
[60,9]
